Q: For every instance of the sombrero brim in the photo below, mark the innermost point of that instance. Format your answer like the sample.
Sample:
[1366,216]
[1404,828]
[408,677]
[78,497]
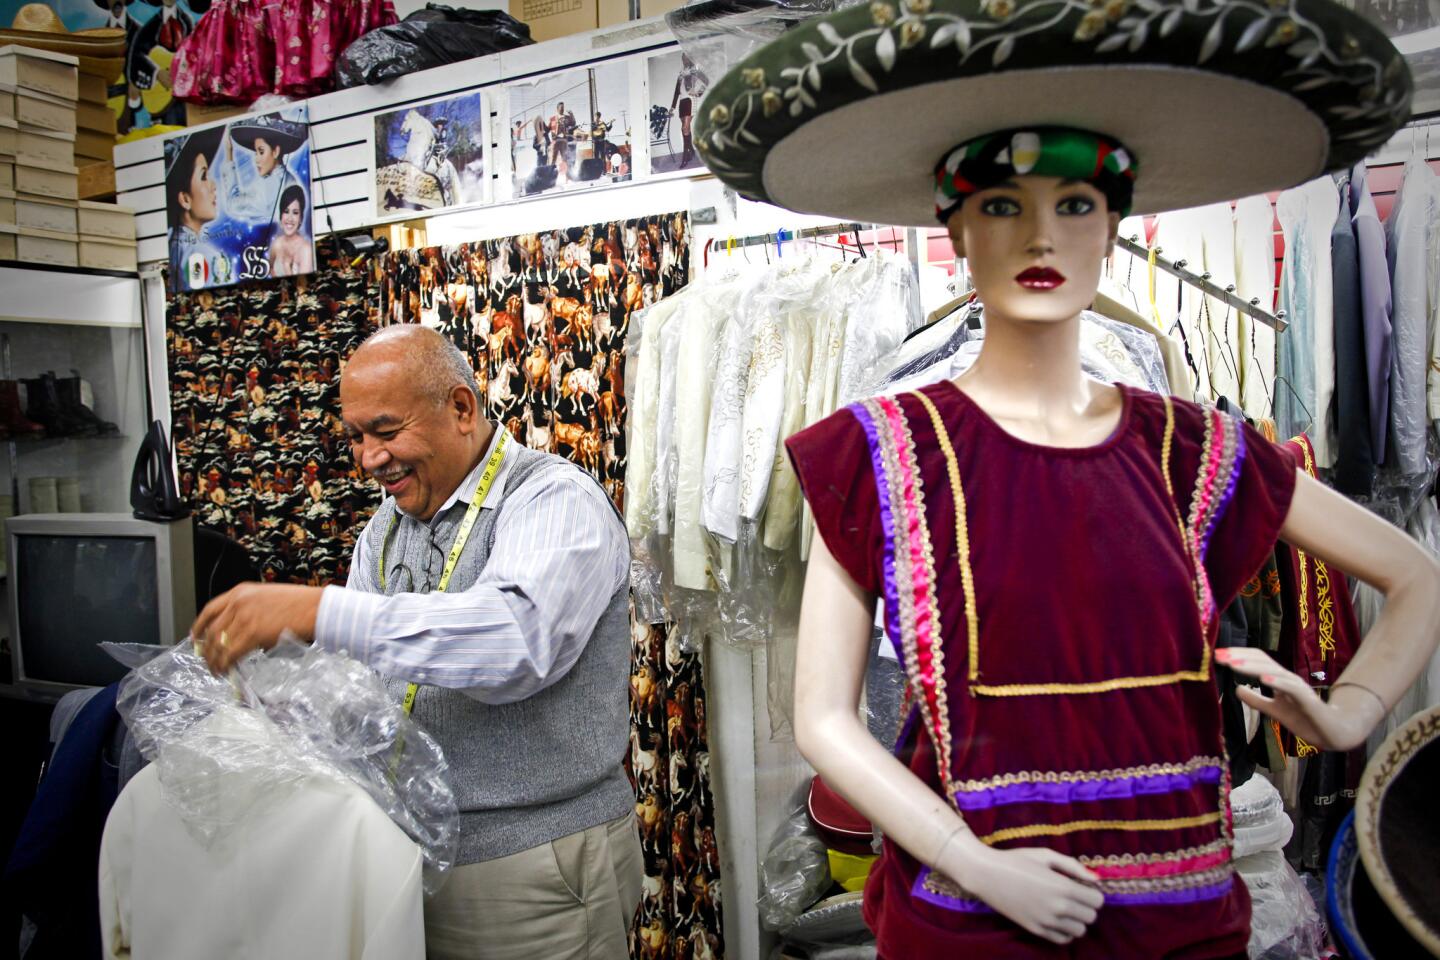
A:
[847,115]
[1395,826]
[245,136]
[100,43]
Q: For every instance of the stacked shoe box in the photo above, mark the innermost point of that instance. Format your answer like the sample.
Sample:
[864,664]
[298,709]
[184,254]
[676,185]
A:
[94,138]
[41,218]
[40,89]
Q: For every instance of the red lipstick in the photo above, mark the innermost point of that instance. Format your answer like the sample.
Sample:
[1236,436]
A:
[1040,278]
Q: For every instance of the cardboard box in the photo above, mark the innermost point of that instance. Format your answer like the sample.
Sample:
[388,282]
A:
[102,253]
[198,113]
[7,174]
[38,213]
[94,145]
[93,89]
[32,246]
[96,116]
[7,104]
[106,221]
[551,19]
[59,183]
[9,138]
[44,112]
[95,181]
[612,13]
[44,148]
[654,8]
[54,74]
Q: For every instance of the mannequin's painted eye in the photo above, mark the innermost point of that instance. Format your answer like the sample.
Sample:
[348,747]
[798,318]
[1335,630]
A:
[1000,207]
[1075,206]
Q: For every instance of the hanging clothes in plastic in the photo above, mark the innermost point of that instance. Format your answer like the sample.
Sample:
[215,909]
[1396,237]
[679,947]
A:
[1305,357]
[1413,238]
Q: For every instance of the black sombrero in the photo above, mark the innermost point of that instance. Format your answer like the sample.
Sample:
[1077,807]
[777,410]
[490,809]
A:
[848,114]
[285,134]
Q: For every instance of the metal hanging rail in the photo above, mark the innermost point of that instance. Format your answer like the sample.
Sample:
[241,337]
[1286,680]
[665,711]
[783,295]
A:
[1203,282]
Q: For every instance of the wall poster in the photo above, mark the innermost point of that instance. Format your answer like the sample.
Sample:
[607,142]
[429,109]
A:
[430,157]
[570,130]
[238,204]
[676,87]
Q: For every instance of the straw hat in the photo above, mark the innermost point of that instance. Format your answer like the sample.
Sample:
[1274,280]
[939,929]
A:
[849,114]
[101,50]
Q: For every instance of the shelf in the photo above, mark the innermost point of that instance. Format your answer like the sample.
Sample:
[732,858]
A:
[82,271]
[39,443]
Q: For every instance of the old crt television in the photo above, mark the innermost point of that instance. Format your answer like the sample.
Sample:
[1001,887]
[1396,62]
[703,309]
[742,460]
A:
[77,579]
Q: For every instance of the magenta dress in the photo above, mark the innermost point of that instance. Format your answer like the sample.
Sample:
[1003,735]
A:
[242,49]
[1057,632]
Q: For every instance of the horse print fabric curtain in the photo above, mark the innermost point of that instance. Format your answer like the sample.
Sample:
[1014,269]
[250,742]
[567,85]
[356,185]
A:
[543,318]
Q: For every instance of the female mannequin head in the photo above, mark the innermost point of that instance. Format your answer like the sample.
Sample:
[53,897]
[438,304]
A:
[1034,246]
[1035,212]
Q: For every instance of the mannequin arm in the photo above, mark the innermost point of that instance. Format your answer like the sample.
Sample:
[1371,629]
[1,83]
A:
[1041,890]
[1324,523]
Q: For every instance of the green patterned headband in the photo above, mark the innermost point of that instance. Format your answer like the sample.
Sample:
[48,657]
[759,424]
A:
[1042,151]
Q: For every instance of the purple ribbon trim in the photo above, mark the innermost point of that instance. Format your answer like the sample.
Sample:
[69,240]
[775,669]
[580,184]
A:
[1082,791]
[1192,895]
[887,525]
[1159,898]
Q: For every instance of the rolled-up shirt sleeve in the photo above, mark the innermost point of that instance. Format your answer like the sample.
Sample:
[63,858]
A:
[559,557]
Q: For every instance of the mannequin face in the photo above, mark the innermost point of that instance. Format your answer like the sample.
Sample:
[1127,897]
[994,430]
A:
[1035,246]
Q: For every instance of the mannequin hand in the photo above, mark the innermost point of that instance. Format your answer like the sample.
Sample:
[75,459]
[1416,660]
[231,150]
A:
[1293,702]
[251,617]
[1049,894]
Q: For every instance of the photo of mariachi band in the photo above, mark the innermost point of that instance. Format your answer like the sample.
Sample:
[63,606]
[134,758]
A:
[570,130]
[238,204]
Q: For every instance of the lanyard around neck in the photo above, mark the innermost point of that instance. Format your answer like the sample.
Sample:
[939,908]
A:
[472,513]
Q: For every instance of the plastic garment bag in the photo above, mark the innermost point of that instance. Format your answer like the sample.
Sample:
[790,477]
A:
[292,714]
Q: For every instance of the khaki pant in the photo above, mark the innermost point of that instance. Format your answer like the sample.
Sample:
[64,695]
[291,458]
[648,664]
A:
[570,899]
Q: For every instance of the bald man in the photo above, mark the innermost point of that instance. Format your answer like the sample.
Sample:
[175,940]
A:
[517,650]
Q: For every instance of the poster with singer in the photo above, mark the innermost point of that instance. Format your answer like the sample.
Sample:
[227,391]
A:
[238,201]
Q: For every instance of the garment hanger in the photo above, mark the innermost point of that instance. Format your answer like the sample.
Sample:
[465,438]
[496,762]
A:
[1309,417]
[1227,351]
[1269,400]
[1178,326]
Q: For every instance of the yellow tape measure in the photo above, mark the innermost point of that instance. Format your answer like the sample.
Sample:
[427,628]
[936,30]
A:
[472,513]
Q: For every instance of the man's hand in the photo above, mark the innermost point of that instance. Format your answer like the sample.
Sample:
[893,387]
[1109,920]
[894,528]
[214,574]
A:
[252,617]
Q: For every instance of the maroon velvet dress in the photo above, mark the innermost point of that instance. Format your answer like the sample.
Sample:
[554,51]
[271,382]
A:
[1057,634]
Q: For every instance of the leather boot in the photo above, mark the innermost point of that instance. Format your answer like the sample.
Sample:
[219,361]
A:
[68,389]
[44,407]
[12,418]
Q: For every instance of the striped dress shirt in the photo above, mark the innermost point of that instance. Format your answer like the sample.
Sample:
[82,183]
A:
[560,554]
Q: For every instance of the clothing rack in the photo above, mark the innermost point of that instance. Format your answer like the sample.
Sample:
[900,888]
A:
[905,235]
[1202,281]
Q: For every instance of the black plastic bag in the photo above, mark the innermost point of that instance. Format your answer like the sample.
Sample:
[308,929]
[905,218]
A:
[428,38]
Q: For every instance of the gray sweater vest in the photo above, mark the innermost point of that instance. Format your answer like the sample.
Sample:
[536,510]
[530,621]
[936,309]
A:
[524,773]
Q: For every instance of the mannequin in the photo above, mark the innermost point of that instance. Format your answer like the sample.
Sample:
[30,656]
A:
[1052,553]
[1028,379]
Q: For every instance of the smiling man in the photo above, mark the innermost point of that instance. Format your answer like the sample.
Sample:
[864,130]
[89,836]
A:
[492,584]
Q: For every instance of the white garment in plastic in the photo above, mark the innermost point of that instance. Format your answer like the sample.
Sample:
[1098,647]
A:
[319,872]
[642,421]
[698,327]
[1260,820]
[1284,921]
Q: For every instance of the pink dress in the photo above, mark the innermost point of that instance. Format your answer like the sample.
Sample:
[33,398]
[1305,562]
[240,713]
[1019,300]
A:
[243,49]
